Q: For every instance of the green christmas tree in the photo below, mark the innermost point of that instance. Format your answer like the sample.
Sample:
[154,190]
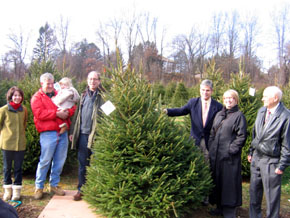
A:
[169,92]
[159,90]
[215,75]
[143,165]
[180,96]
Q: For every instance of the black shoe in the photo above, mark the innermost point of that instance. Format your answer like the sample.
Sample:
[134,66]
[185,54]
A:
[216,212]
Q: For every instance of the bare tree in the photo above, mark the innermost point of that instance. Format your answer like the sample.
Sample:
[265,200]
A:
[107,32]
[103,37]
[217,30]
[17,53]
[132,22]
[232,32]
[250,29]
[147,28]
[190,51]
[61,40]
[62,34]
[116,24]
[280,20]
[232,43]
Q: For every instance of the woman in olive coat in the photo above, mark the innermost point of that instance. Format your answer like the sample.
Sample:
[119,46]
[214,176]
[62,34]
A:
[227,137]
[13,118]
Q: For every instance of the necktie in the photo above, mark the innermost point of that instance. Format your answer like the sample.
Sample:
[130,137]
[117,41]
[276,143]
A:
[204,113]
[267,118]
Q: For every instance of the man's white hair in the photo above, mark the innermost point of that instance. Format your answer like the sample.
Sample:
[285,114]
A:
[46,76]
[274,91]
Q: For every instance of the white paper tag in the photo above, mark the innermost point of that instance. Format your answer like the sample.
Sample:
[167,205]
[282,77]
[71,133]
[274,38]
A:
[252,91]
[108,107]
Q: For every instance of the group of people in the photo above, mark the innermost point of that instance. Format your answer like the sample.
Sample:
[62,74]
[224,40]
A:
[59,115]
[220,131]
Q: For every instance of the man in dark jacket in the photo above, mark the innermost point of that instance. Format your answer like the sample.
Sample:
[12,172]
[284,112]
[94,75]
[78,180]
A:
[84,125]
[269,153]
[202,111]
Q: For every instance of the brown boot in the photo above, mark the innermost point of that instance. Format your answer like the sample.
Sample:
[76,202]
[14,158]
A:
[38,194]
[56,190]
[78,196]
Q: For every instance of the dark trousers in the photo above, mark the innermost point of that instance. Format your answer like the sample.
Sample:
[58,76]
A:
[204,149]
[84,154]
[264,179]
[12,156]
[229,212]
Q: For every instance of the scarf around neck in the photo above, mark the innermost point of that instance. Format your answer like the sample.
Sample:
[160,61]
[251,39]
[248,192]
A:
[15,106]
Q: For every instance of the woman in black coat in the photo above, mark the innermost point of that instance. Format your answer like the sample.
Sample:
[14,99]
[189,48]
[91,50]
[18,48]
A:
[227,137]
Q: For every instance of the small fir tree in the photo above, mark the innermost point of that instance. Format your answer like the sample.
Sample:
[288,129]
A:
[169,92]
[143,165]
[159,90]
[215,75]
[180,96]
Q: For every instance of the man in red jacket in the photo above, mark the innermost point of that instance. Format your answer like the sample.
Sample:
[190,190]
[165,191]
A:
[54,145]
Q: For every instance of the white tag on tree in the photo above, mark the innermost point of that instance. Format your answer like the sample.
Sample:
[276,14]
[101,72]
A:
[252,91]
[108,107]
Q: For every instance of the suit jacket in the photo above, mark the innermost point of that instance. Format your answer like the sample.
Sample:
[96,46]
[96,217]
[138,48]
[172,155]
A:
[194,108]
[273,139]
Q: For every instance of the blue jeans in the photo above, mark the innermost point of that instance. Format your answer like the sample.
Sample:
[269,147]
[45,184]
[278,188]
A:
[53,152]
[8,157]
[84,154]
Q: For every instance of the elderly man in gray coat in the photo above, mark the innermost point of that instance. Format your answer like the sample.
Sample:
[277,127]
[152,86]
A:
[269,153]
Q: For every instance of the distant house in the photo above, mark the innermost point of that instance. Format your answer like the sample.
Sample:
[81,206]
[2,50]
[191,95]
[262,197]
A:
[169,66]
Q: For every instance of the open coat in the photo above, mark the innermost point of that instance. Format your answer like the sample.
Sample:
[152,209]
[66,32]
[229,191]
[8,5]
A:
[227,137]
[76,121]
[194,108]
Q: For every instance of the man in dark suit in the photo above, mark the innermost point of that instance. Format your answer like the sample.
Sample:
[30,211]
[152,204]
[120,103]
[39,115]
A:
[202,111]
[269,153]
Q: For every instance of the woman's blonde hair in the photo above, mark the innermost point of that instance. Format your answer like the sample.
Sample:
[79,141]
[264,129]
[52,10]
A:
[233,93]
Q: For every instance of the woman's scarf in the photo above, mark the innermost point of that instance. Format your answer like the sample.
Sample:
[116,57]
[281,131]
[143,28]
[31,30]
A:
[14,105]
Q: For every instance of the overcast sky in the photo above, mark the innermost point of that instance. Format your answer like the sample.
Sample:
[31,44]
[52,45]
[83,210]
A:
[84,15]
